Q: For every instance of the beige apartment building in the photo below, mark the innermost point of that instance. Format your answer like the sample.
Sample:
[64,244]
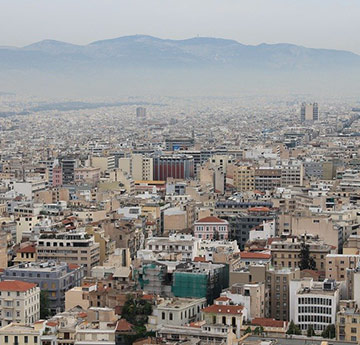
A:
[20,302]
[77,248]
[15,333]
[337,264]
[352,245]
[286,253]
[348,325]
[244,178]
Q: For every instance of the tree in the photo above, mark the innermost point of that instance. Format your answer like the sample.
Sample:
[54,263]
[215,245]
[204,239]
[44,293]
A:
[329,332]
[307,261]
[293,329]
[310,331]
[44,304]
[247,330]
[259,330]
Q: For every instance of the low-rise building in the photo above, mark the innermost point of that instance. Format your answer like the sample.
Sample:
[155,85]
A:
[19,302]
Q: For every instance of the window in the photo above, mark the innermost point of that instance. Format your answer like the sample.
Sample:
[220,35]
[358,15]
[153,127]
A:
[170,316]
[353,330]
[26,340]
[163,316]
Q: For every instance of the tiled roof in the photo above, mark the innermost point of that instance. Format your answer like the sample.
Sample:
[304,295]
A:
[211,219]
[27,249]
[261,321]
[224,309]
[124,326]
[16,285]
[254,255]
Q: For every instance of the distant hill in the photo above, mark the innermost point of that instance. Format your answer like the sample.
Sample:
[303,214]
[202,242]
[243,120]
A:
[127,55]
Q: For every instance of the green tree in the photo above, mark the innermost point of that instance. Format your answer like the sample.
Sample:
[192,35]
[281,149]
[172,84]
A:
[247,330]
[259,330]
[329,332]
[293,329]
[310,331]
[307,261]
[44,304]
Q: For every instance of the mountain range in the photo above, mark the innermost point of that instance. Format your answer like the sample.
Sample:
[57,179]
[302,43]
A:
[142,58]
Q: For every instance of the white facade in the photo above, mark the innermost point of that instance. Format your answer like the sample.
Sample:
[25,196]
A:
[313,303]
[264,231]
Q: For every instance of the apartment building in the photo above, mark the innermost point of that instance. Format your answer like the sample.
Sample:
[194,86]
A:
[348,325]
[314,303]
[76,247]
[211,228]
[286,253]
[267,178]
[338,264]
[56,278]
[278,284]
[244,178]
[19,302]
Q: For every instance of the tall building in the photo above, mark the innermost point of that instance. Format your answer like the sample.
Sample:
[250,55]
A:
[68,166]
[176,166]
[244,178]
[141,112]
[278,283]
[309,112]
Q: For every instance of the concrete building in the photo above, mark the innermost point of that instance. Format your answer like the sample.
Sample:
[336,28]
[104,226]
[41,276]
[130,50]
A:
[175,166]
[292,173]
[267,178]
[222,313]
[348,325]
[177,311]
[211,228]
[337,265]
[56,278]
[309,112]
[68,166]
[244,178]
[251,296]
[20,334]
[278,284]
[77,248]
[19,302]
[183,246]
[314,303]
[286,253]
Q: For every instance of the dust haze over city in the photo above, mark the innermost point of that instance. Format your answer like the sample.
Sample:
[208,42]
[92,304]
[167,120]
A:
[179,172]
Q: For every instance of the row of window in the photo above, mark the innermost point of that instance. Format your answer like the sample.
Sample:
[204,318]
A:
[316,310]
[313,300]
[315,318]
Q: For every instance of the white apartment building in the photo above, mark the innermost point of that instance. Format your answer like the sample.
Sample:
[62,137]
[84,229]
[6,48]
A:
[314,303]
[177,311]
[19,302]
[183,244]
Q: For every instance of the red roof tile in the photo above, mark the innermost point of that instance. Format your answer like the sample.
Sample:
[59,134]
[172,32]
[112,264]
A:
[254,255]
[27,249]
[259,209]
[224,309]
[16,285]
[124,326]
[211,219]
[261,321]
[223,299]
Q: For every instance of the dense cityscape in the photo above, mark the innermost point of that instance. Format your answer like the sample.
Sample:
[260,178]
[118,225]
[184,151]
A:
[173,220]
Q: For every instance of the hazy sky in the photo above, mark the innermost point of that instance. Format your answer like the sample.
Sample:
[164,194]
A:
[312,23]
